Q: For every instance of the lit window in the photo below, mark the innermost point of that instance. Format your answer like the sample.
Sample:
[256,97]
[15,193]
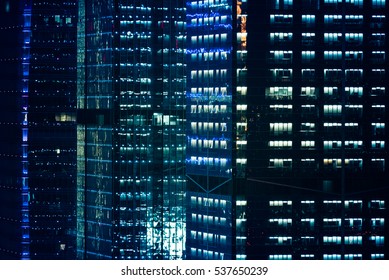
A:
[308,20]
[332,110]
[353,240]
[332,256]
[377,240]
[279,93]
[307,144]
[377,4]
[280,163]
[281,128]
[330,240]
[353,257]
[280,257]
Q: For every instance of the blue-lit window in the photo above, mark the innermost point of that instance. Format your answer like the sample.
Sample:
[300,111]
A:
[353,240]
[378,129]
[307,56]
[378,241]
[282,20]
[378,144]
[333,39]
[353,223]
[354,20]
[378,57]
[332,256]
[357,3]
[333,55]
[308,20]
[281,38]
[377,21]
[332,240]
[307,256]
[353,257]
[377,4]
[308,39]
[332,20]
[280,257]
[377,256]
[354,39]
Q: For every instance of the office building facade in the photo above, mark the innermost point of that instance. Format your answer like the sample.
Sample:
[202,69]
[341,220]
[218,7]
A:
[317,95]
[11,24]
[51,131]
[131,138]
[216,129]
[40,144]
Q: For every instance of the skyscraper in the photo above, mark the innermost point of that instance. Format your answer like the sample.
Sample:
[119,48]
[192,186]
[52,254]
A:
[38,124]
[131,138]
[51,134]
[286,129]
[317,94]
[216,129]
[11,24]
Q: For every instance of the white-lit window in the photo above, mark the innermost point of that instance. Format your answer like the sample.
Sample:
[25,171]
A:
[280,240]
[330,91]
[281,128]
[307,144]
[279,93]
[307,127]
[328,145]
[280,163]
[354,91]
[332,110]
[280,144]
[353,144]
[308,92]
